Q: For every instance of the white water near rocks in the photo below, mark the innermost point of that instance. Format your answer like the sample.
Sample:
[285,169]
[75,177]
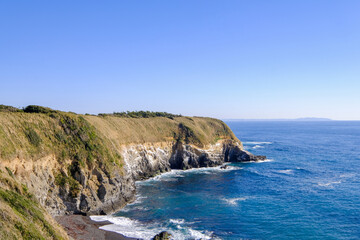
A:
[308,189]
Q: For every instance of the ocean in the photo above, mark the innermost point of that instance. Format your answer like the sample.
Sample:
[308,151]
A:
[309,188]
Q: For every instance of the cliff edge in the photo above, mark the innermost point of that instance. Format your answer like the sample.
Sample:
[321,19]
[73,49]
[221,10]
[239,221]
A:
[85,164]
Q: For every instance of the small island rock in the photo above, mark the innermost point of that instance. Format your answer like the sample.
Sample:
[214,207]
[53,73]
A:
[162,236]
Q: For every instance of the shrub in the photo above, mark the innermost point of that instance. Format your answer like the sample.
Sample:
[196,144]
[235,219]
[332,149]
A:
[10,172]
[141,114]
[187,135]
[38,109]
[62,181]
[5,108]
[74,187]
[33,137]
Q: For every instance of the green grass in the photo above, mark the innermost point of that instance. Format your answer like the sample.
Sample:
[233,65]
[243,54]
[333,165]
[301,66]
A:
[64,181]
[187,135]
[28,210]
[21,216]
[83,142]
[141,114]
[30,216]
[7,147]
[5,108]
[33,137]
[9,172]
[38,109]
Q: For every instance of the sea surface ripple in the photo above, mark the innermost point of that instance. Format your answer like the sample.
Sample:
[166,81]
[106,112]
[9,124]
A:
[310,189]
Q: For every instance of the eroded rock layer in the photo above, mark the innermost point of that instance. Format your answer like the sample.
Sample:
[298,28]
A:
[75,164]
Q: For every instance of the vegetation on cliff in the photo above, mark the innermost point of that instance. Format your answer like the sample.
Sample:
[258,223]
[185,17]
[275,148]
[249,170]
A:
[5,108]
[141,114]
[80,148]
[38,131]
[21,216]
[86,141]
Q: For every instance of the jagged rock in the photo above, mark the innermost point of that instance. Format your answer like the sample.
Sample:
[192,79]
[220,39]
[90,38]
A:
[162,236]
[143,161]
[223,167]
[100,193]
[235,153]
[84,205]
[89,165]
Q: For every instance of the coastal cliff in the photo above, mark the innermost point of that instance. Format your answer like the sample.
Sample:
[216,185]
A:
[85,164]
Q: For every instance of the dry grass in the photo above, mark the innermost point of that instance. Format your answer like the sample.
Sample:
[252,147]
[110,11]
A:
[88,142]
[148,130]
[35,135]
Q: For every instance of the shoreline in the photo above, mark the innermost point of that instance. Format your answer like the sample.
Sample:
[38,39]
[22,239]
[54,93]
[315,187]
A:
[84,228]
[80,227]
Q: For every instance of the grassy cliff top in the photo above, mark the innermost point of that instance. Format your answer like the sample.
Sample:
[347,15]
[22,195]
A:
[40,130]
[89,141]
[199,131]
[79,142]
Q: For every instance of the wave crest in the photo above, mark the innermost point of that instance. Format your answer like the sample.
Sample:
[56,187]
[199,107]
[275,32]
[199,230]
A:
[234,201]
[136,229]
[256,143]
[286,171]
[328,184]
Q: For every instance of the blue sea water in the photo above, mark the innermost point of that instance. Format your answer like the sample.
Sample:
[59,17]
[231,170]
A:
[308,189]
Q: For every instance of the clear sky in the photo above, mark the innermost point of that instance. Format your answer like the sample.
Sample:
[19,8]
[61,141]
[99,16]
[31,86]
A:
[225,59]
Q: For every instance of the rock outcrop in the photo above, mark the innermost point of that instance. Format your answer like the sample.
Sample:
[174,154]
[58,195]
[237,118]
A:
[76,164]
[162,236]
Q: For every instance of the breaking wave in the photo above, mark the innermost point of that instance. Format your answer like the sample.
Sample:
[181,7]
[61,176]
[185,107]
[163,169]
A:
[173,174]
[328,184]
[286,171]
[136,229]
[256,143]
[234,201]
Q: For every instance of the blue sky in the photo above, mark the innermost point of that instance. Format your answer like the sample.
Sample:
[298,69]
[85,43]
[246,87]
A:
[225,59]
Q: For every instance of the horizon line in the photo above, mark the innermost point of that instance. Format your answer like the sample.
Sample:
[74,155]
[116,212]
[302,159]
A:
[306,119]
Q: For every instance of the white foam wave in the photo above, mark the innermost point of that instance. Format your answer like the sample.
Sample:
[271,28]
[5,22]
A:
[234,201]
[286,171]
[173,174]
[257,146]
[260,161]
[329,184]
[136,229]
[200,235]
[230,168]
[138,199]
[177,221]
[348,175]
[126,226]
[256,143]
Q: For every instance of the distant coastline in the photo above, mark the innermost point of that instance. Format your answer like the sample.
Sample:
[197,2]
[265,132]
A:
[306,119]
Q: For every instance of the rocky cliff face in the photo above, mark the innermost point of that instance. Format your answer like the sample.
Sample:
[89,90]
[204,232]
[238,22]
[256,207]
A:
[21,215]
[101,193]
[77,164]
[143,161]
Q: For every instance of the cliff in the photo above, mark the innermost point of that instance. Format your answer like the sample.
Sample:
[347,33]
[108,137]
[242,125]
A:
[21,215]
[84,164]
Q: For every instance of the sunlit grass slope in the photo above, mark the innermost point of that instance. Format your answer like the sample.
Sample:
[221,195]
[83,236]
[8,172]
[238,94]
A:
[21,216]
